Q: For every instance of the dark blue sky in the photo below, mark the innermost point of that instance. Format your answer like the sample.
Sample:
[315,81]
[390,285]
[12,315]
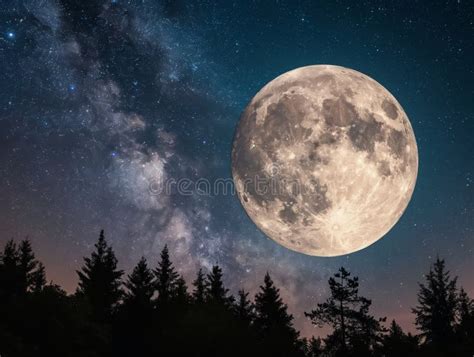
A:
[100,98]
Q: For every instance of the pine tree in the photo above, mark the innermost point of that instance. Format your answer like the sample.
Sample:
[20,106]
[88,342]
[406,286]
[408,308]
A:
[365,331]
[27,264]
[100,281]
[17,266]
[140,286]
[166,278]
[180,294]
[465,307]
[465,326]
[335,311]
[396,343]
[436,310]
[38,279]
[200,287]
[10,275]
[314,347]
[216,293]
[133,334]
[9,257]
[244,308]
[273,323]
[172,297]
[348,315]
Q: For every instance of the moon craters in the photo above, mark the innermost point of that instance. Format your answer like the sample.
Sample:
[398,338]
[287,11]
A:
[324,160]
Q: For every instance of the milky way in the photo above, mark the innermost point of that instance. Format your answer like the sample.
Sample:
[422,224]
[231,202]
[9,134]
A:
[102,99]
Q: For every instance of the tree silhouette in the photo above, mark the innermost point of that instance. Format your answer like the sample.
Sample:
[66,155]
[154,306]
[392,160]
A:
[39,319]
[244,308]
[27,264]
[140,287]
[166,278]
[171,306]
[10,275]
[436,310]
[53,325]
[18,269]
[354,330]
[465,327]
[365,331]
[99,281]
[273,323]
[12,335]
[216,293]
[396,343]
[314,347]
[181,295]
[465,307]
[132,332]
[200,288]
[336,310]
[38,278]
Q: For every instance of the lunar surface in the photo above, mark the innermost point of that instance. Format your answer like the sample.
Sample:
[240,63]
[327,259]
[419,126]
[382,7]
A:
[324,160]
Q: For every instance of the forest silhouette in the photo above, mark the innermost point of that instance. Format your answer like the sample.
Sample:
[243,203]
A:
[152,312]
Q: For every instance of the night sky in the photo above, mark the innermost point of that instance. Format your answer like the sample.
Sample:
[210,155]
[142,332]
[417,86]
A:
[99,99]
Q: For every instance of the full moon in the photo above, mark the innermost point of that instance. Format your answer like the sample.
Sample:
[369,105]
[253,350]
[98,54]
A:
[324,160]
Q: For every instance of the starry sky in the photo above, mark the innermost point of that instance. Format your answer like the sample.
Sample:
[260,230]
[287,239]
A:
[99,99]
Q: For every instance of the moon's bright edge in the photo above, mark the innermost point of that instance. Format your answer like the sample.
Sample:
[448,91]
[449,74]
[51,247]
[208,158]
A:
[324,160]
